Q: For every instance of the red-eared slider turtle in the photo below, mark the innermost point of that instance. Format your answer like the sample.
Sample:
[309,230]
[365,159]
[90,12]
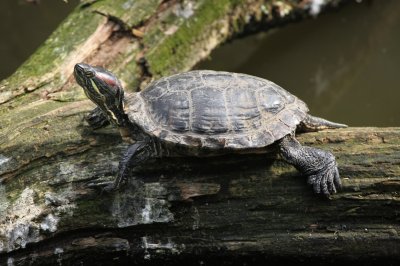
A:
[206,113]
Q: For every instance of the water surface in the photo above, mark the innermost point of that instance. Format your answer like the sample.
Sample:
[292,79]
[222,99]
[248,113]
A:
[345,65]
[24,27]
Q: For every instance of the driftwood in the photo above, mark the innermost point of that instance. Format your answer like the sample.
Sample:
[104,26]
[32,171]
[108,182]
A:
[53,167]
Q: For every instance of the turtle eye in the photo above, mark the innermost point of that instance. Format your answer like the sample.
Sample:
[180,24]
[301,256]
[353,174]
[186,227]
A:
[89,73]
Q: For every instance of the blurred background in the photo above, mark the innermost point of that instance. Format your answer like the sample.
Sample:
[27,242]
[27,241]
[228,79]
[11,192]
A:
[344,64]
[25,25]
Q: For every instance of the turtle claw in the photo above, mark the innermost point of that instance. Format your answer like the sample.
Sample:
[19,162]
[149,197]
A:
[326,181]
[336,179]
[119,182]
[318,165]
[109,187]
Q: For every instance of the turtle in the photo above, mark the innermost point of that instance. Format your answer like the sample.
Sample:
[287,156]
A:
[204,113]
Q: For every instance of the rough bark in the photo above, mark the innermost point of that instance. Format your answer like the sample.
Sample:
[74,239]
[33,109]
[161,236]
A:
[53,166]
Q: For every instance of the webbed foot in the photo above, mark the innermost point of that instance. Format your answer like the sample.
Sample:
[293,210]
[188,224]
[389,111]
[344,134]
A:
[318,165]
[327,179]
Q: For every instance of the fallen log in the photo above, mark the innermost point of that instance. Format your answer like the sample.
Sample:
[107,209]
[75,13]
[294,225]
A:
[238,207]
[53,167]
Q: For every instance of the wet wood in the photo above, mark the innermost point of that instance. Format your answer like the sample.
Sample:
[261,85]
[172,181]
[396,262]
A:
[53,167]
[241,208]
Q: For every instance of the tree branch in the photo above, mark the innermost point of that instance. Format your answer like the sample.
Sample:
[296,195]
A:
[53,167]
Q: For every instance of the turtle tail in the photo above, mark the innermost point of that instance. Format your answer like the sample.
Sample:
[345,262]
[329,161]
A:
[313,123]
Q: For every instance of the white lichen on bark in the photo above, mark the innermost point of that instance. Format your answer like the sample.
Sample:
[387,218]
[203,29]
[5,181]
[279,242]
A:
[22,222]
[131,209]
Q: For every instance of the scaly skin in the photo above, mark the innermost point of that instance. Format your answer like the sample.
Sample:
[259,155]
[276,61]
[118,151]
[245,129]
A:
[97,119]
[318,165]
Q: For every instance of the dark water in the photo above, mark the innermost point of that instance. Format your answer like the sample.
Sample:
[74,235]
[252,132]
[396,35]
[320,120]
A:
[345,65]
[23,27]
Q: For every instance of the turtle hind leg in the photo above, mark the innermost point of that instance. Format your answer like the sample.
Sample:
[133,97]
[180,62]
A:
[313,123]
[318,165]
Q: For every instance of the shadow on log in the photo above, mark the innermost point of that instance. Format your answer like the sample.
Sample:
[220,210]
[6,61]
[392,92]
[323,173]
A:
[244,207]
[234,209]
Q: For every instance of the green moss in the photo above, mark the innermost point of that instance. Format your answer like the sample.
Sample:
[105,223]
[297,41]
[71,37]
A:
[36,73]
[73,31]
[75,93]
[126,68]
[175,49]
[28,113]
[34,124]
[140,10]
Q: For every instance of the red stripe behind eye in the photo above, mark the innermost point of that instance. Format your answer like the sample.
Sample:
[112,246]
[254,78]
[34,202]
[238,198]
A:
[107,79]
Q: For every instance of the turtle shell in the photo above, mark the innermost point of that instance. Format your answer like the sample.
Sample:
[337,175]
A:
[216,110]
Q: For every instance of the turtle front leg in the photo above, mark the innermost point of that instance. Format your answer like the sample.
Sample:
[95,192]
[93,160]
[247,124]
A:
[135,155]
[318,165]
[97,119]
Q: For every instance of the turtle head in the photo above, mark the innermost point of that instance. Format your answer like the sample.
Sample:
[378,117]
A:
[104,89]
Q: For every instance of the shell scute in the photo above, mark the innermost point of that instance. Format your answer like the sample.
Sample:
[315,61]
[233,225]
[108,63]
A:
[242,109]
[214,142]
[208,114]
[183,82]
[270,101]
[154,92]
[218,80]
[279,129]
[262,138]
[172,111]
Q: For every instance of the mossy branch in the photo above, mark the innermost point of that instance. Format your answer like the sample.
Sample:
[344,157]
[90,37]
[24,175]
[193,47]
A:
[53,166]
